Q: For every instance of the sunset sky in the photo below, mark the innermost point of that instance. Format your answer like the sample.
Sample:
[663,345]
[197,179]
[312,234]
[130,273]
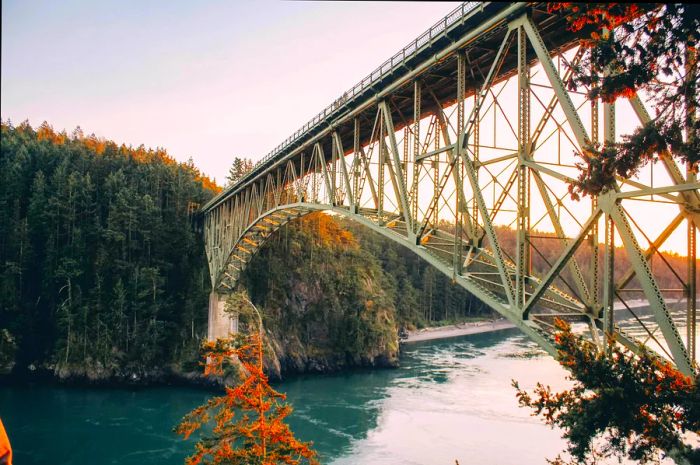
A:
[211,80]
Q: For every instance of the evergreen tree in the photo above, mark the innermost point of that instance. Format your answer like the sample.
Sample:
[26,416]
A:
[624,405]
[249,420]
[100,259]
[632,48]
[239,168]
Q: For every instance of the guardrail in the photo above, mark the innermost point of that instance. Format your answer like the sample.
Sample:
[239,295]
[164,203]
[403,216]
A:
[408,52]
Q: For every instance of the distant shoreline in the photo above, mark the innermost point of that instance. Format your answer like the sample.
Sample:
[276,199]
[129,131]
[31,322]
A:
[462,329]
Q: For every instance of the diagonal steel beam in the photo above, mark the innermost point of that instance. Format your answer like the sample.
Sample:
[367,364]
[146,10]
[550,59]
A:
[398,177]
[456,176]
[563,259]
[368,174]
[559,230]
[649,286]
[490,232]
[343,168]
[653,248]
[473,119]
[691,198]
[321,160]
[555,80]
[549,110]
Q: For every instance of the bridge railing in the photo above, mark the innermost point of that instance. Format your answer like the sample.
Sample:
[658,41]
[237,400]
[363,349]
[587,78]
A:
[407,52]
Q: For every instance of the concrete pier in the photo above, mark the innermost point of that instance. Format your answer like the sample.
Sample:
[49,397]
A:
[221,324]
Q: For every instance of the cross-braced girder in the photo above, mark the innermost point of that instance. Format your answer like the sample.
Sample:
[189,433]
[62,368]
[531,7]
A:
[465,159]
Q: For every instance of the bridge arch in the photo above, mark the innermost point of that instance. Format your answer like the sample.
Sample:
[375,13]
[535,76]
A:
[467,129]
[254,236]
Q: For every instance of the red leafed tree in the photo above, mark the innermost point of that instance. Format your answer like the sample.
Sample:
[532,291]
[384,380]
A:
[632,48]
[622,405]
[249,420]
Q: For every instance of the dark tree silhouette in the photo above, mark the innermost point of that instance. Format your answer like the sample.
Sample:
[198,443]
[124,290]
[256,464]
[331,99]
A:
[638,47]
[239,168]
[621,405]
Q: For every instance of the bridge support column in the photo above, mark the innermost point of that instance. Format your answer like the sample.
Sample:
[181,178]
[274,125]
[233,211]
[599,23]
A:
[220,322]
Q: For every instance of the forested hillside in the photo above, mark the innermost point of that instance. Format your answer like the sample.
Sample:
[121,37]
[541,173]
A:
[102,274]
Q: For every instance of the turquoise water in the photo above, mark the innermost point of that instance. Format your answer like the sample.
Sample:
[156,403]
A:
[450,399]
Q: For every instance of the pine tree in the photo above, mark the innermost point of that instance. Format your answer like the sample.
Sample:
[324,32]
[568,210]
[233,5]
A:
[86,229]
[249,425]
[632,48]
[239,168]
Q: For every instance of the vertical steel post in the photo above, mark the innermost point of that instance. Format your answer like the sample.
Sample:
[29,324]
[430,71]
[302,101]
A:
[334,170]
[404,161]
[609,280]
[382,160]
[356,163]
[457,260]
[523,245]
[314,176]
[691,63]
[278,187]
[416,152]
[595,239]
[609,254]
[475,150]
[692,301]
[302,184]
[436,174]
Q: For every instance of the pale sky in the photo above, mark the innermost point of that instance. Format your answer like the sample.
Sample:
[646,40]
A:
[206,79]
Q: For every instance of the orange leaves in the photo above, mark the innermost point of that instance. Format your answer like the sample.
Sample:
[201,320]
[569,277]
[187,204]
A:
[328,230]
[633,47]
[249,418]
[599,15]
[639,403]
[622,92]
[98,146]
[217,354]
[46,132]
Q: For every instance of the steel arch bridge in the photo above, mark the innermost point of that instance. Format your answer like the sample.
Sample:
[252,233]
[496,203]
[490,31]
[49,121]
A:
[468,134]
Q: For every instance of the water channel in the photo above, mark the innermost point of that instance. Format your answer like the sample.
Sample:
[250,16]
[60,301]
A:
[450,399]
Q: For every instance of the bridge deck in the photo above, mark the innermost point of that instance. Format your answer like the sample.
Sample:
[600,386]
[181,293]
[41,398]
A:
[487,22]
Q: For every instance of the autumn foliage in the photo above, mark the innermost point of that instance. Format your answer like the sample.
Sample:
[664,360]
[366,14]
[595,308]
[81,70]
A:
[632,48]
[248,421]
[99,145]
[621,405]
[329,232]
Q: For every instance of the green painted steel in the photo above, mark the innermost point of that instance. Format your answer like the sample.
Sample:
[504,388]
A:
[438,152]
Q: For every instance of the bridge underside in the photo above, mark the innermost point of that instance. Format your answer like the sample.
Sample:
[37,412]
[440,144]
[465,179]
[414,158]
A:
[463,152]
[436,249]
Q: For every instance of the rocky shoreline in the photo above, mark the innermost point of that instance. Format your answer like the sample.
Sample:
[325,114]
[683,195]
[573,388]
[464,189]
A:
[280,366]
[80,376]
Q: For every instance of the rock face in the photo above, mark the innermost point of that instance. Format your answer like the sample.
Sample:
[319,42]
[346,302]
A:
[94,373]
[303,338]
[97,373]
[324,301]
[8,349]
[289,356]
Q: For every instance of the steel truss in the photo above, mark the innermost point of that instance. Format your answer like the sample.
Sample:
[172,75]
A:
[465,160]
